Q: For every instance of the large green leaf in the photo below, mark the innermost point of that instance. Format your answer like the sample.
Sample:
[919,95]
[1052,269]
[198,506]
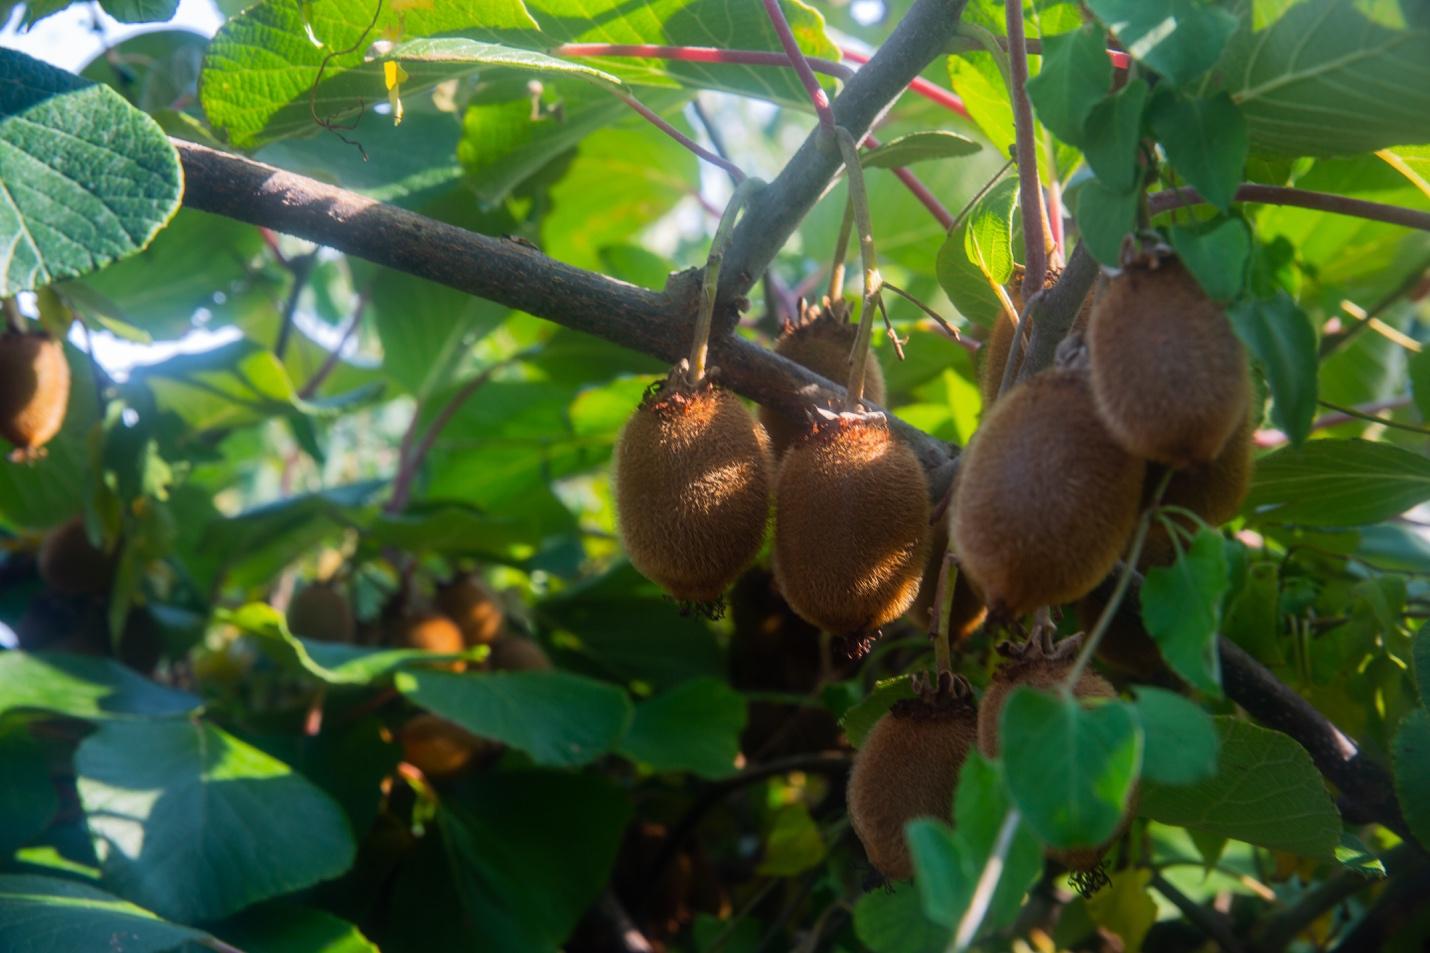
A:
[140,11]
[1326,77]
[50,915]
[426,329]
[193,823]
[87,178]
[1412,772]
[1069,769]
[556,717]
[1181,608]
[693,727]
[979,254]
[1180,39]
[1075,76]
[1181,739]
[1205,140]
[1266,792]
[1338,483]
[285,928]
[83,686]
[892,921]
[28,800]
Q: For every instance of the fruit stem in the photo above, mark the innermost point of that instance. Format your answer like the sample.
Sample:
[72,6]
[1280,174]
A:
[943,606]
[1124,582]
[873,281]
[710,281]
[841,251]
[987,883]
[14,321]
[1030,189]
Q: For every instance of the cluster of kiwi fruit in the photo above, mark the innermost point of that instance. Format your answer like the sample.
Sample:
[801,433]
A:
[695,474]
[34,390]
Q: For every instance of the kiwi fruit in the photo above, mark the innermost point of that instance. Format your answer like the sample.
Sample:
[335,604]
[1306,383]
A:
[1214,491]
[1046,499]
[431,632]
[438,748]
[966,612]
[34,390]
[470,603]
[851,526]
[1169,375]
[993,356]
[693,473]
[821,340]
[512,653]
[321,612]
[70,564]
[907,768]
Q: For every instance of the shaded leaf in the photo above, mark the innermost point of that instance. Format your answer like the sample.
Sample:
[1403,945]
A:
[1114,134]
[1216,252]
[859,720]
[1205,139]
[28,801]
[1411,752]
[1280,337]
[1180,39]
[83,686]
[1181,608]
[285,928]
[892,921]
[1181,746]
[693,727]
[1074,78]
[1104,218]
[51,915]
[1338,483]
[794,844]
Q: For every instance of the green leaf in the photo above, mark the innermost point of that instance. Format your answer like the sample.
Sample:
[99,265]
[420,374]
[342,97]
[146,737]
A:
[1180,39]
[1069,769]
[1419,371]
[193,823]
[286,928]
[1075,76]
[979,254]
[334,663]
[235,385]
[83,687]
[1338,483]
[919,147]
[1216,252]
[1325,77]
[1420,651]
[50,915]
[457,49]
[1205,139]
[1266,792]
[860,719]
[90,178]
[1104,218]
[1114,134]
[1280,337]
[1124,907]
[794,844]
[530,852]
[984,92]
[1181,608]
[1252,618]
[1181,743]
[1411,752]
[28,801]
[556,717]
[693,727]
[892,921]
[1351,852]
[140,11]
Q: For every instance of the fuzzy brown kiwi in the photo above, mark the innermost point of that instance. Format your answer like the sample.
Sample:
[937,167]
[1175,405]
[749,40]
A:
[470,603]
[513,653]
[1046,500]
[34,390]
[431,632]
[907,768]
[821,340]
[438,748]
[1214,491]
[851,526]
[967,611]
[320,612]
[1168,373]
[70,564]
[693,473]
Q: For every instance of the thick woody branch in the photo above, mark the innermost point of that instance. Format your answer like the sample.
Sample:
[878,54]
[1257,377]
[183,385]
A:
[512,273]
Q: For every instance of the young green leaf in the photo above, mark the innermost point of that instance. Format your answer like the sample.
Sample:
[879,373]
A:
[693,727]
[1069,769]
[919,147]
[1180,39]
[1338,483]
[1205,139]
[1266,791]
[1411,752]
[1281,339]
[1114,134]
[1181,743]
[1252,616]
[1074,77]
[1216,252]
[892,921]
[1104,218]
[1181,608]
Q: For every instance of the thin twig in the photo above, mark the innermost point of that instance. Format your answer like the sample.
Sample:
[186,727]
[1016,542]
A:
[651,117]
[1210,922]
[1331,342]
[1160,202]
[934,93]
[300,267]
[817,96]
[710,279]
[859,200]
[410,462]
[335,355]
[1275,438]
[1030,190]
[327,122]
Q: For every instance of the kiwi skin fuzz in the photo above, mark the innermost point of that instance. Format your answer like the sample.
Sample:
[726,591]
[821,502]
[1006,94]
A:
[430,632]
[1169,375]
[470,603]
[908,767]
[1214,491]
[34,390]
[513,653]
[438,748]
[70,564]
[693,474]
[320,612]
[851,526]
[1045,500]
[821,341]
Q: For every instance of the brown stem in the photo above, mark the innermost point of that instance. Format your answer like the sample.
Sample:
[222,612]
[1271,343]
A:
[817,96]
[300,267]
[410,461]
[1030,190]
[335,355]
[1215,925]
[1300,198]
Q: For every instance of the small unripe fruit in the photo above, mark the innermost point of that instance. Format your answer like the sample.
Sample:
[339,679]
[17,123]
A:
[69,563]
[1046,500]
[320,612]
[34,390]
[438,748]
[512,653]
[693,473]
[1168,373]
[428,631]
[851,526]
[1214,491]
[469,602]
[822,340]
[908,768]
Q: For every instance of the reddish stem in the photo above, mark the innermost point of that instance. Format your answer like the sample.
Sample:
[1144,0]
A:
[699,54]
[680,137]
[1030,191]
[802,69]
[933,92]
[335,355]
[410,459]
[1301,198]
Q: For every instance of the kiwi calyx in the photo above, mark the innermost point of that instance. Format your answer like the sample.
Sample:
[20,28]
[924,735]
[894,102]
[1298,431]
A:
[943,695]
